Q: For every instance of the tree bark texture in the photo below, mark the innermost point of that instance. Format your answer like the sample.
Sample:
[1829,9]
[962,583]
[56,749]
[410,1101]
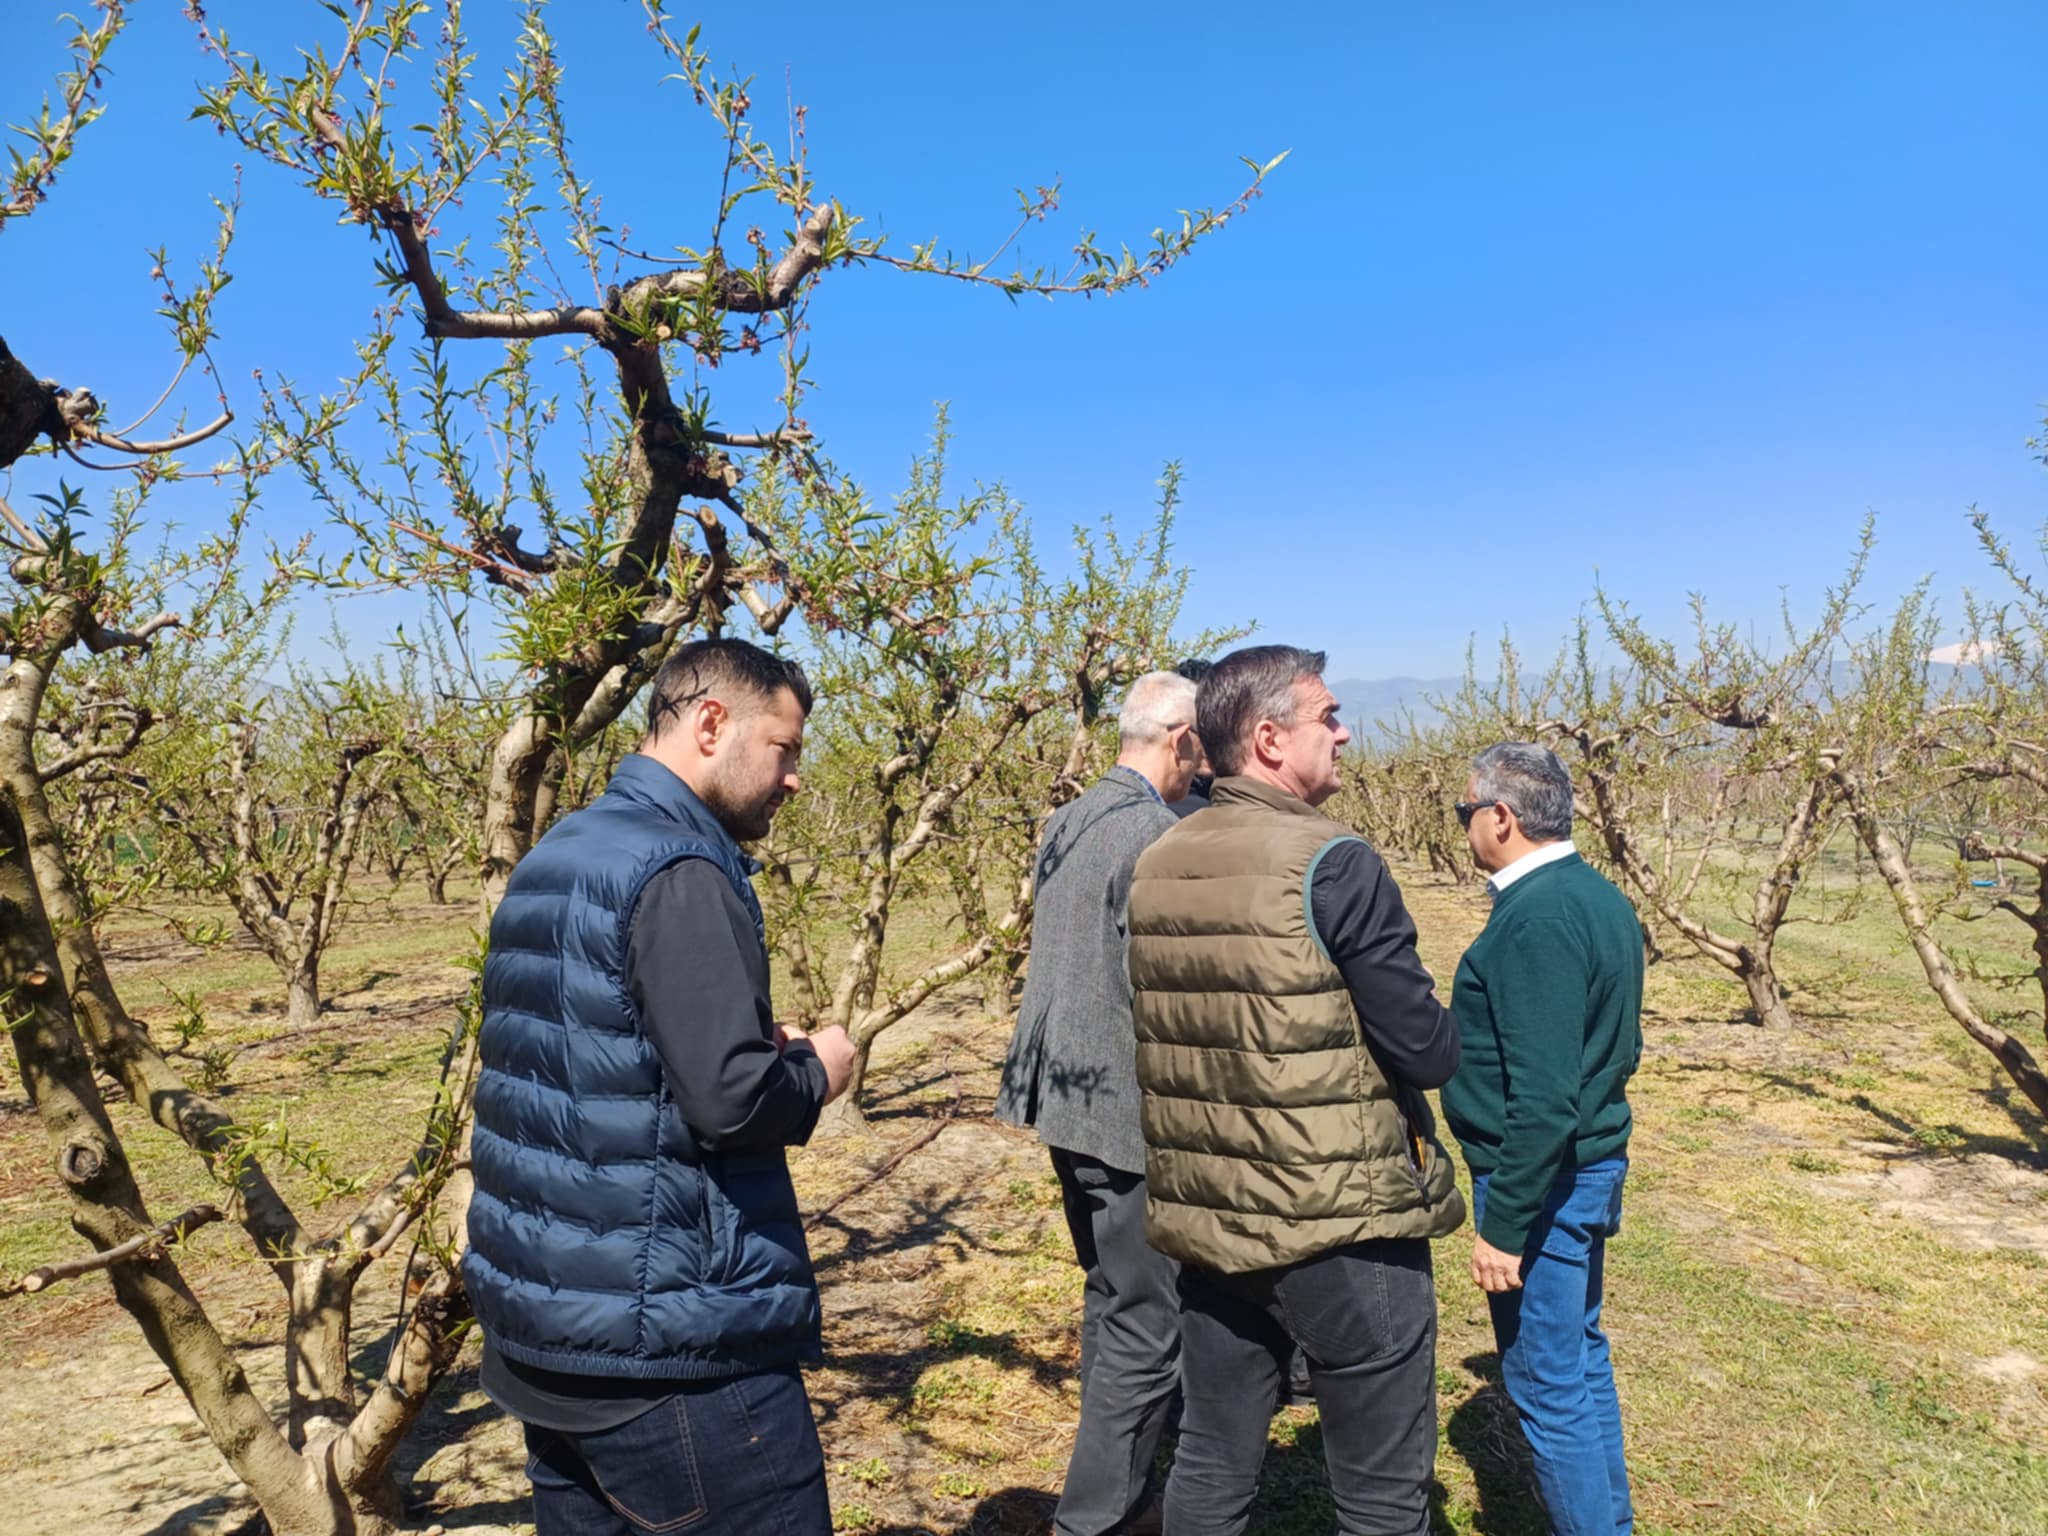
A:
[1897,874]
[28,408]
[302,993]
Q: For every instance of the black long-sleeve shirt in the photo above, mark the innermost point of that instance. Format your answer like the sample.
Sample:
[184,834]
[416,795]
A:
[1365,927]
[699,981]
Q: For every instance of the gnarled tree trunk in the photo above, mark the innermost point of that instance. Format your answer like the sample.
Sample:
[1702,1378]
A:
[1897,874]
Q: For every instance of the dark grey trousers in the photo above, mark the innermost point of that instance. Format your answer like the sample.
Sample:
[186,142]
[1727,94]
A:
[1130,1346]
[1365,1319]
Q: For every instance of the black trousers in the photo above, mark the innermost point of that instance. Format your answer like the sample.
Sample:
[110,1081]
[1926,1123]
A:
[1365,1319]
[1130,1346]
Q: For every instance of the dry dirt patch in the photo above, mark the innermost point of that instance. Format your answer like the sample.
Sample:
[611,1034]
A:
[1977,1203]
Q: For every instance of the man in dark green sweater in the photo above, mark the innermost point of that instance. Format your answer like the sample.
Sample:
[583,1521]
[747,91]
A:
[1548,1001]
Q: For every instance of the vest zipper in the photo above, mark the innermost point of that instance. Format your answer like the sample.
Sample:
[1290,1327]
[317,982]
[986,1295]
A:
[1415,1169]
[1413,1145]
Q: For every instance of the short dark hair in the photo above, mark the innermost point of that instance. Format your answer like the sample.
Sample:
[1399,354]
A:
[711,666]
[1245,687]
[1195,668]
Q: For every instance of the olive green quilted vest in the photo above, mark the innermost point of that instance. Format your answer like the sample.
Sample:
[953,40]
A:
[1271,1134]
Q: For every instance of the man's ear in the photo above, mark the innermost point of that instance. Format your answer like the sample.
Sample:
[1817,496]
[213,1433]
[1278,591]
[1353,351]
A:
[708,722]
[1266,741]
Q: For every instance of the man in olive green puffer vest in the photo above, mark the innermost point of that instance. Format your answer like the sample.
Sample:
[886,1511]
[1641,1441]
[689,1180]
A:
[1286,1029]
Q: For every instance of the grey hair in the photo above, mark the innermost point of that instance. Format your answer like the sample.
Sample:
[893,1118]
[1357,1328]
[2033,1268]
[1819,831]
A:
[1245,687]
[1528,778]
[1154,705]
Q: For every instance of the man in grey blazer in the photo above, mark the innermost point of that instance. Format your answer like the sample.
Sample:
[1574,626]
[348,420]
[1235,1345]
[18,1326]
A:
[1194,669]
[1072,1074]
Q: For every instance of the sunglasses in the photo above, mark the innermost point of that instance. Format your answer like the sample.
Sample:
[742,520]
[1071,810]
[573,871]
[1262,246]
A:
[1467,809]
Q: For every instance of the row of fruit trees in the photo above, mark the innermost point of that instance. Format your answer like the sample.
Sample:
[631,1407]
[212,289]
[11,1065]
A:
[524,449]
[1736,784]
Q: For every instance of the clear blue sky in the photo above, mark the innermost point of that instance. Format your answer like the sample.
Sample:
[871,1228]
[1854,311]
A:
[1671,293]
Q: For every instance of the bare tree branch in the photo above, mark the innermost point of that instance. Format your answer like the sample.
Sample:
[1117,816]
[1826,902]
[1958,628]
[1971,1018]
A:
[100,638]
[153,1242]
[139,721]
[178,444]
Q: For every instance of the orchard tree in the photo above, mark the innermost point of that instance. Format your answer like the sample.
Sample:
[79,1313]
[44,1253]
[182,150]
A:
[1669,745]
[448,711]
[88,614]
[1404,778]
[1908,738]
[592,586]
[267,800]
[440,800]
[1398,795]
[326,1467]
[939,697]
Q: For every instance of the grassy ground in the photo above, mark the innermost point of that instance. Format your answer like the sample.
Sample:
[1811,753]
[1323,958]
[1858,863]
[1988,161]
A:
[1826,1304]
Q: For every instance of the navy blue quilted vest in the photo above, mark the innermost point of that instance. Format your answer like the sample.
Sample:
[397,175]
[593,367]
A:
[602,1239]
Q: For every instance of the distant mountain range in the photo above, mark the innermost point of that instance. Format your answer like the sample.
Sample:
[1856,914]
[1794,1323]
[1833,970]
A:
[1367,702]
[1373,707]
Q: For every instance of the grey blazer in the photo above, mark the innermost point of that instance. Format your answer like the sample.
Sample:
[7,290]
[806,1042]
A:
[1072,1069]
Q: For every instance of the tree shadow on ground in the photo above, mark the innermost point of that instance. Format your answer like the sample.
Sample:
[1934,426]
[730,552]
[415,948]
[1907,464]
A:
[481,1483]
[912,1090]
[1294,1487]
[1482,1432]
[900,1352]
[2017,1108]
[922,1223]
[217,1512]
[366,984]
[917,1094]
[494,1513]
[1008,1512]
[1293,1500]
[2030,1150]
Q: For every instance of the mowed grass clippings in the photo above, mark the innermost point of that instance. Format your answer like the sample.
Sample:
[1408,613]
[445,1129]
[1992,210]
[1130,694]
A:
[1826,1301]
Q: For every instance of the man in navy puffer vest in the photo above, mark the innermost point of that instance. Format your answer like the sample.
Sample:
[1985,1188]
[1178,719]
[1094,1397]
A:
[636,1258]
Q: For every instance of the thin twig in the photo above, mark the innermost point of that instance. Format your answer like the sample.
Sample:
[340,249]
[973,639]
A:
[156,1238]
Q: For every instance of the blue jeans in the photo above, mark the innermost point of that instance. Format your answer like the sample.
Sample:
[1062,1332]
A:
[738,1456]
[1554,1359]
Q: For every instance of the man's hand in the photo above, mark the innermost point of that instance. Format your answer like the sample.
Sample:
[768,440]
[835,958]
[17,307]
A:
[1495,1269]
[784,1033]
[835,1050]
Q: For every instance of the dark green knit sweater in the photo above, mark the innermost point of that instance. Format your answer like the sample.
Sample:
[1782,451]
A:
[1549,1002]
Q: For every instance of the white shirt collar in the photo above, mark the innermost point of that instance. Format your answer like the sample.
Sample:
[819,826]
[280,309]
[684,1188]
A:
[1529,863]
